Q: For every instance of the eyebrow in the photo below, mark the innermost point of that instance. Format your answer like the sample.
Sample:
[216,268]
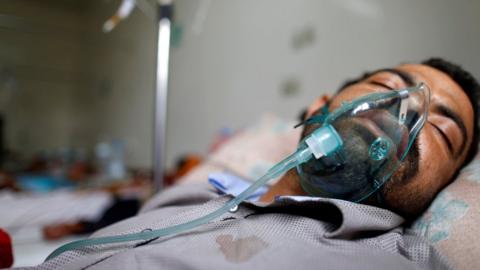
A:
[406,77]
[447,112]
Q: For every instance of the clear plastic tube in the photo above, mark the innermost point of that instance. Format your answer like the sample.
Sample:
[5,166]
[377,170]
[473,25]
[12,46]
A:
[303,154]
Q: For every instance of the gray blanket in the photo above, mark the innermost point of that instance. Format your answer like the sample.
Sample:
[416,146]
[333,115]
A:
[291,233]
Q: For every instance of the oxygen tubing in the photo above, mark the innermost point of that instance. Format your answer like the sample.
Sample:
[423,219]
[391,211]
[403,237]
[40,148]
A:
[300,156]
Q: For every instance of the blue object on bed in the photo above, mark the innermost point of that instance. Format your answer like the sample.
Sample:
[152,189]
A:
[41,182]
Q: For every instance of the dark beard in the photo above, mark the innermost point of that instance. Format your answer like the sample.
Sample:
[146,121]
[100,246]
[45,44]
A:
[357,174]
[390,196]
[408,168]
[354,175]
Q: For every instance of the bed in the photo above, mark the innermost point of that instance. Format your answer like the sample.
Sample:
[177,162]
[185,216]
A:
[32,211]
[450,223]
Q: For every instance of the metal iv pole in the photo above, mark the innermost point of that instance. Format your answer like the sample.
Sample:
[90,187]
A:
[164,21]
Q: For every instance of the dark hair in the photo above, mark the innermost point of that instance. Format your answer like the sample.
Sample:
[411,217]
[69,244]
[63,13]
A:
[464,79]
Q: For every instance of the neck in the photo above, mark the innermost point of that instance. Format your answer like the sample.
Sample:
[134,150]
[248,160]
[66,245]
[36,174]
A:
[288,185]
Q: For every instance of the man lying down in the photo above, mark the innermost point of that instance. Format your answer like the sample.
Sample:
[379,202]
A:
[390,154]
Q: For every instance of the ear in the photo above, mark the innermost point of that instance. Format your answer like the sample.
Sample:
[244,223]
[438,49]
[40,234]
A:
[317,104]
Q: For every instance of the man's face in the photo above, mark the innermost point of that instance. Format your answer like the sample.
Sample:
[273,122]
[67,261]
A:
[443,142]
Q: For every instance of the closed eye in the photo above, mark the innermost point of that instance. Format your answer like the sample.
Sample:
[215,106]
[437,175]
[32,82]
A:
[445,137]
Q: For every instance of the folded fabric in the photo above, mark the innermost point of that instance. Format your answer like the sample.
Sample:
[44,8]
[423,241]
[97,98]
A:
[231,184]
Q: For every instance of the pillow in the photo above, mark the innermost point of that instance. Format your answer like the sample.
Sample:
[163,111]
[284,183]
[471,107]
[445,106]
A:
[451,223]
[252,151]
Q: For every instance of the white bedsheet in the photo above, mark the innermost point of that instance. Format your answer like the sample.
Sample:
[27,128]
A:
[23,216]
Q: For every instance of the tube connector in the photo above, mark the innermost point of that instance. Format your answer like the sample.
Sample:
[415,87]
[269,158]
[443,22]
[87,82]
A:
[324,141]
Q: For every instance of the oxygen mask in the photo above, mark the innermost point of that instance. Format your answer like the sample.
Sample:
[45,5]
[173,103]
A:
[377,132]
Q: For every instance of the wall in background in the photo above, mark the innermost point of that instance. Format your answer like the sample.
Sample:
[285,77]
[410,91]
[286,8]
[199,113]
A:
[238,59]
[119,70]
[39,51]
[232,61]
[75,85]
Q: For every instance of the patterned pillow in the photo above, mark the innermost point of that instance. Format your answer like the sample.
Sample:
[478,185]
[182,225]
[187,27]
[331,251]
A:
[452,223]
[252,151]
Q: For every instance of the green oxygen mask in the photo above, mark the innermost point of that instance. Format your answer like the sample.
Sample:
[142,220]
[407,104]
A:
[377,131]
[348,154]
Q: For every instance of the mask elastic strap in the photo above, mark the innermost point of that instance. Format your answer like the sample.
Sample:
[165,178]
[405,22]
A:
[315,119]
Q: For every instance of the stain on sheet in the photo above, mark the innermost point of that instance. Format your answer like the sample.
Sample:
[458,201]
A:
[241,249]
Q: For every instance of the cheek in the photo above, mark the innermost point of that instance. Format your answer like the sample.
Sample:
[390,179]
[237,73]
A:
[435,165]
[434,171]
[434,168]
